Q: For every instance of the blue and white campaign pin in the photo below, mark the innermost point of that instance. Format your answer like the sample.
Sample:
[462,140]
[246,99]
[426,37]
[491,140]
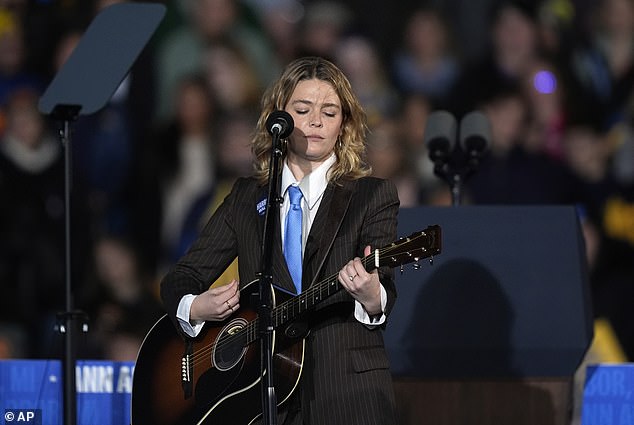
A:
[261,207]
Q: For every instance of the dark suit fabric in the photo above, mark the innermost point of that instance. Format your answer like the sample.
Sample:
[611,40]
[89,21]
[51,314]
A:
[345,378]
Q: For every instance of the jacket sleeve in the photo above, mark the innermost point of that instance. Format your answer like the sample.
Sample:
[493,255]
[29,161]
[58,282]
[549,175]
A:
[210,254]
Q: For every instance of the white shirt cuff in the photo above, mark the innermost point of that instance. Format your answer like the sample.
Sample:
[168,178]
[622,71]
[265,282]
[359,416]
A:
[182,314]
[362,316]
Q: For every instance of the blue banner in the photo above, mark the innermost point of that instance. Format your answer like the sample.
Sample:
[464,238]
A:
[31,392]
[608,395]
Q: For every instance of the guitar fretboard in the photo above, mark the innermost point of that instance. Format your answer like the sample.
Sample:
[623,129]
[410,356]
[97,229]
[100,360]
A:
[406,250]
[293,307]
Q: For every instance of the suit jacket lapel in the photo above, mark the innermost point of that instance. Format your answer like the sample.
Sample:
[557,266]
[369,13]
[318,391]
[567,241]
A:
[327,223]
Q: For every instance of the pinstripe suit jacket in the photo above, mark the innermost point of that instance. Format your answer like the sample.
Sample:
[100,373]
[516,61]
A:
[345,379]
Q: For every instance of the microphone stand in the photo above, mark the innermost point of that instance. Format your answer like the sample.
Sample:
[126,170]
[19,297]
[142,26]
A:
[265,307]
[455,168]
[456,189]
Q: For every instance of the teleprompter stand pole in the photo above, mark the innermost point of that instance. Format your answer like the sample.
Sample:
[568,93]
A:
[70,320]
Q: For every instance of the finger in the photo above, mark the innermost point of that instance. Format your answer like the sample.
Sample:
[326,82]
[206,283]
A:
[359,269]
[230,307]
[352,270]
[352,280]
[344,278]
[234,302]
[234,298]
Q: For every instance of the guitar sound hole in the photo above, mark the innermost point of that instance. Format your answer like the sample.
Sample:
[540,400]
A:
[230,345]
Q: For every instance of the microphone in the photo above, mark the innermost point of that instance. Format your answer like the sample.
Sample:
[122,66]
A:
[280,124]
[440,135]
[475,133]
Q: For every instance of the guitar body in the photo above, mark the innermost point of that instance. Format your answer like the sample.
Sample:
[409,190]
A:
[223,373]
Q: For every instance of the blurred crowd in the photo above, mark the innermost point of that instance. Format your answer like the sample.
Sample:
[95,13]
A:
[554,78]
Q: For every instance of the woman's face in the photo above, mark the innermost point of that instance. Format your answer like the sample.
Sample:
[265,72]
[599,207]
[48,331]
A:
[318,116]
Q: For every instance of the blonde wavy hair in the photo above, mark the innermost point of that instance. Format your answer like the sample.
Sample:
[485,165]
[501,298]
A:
[350,147]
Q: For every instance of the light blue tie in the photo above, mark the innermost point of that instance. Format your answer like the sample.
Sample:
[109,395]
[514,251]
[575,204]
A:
[293,237]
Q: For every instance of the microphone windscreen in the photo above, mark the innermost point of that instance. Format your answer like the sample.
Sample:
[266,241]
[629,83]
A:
[281,122]
[475,133]
[440,134]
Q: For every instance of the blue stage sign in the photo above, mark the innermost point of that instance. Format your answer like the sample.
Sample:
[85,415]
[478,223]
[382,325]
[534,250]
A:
[31,392]
[608,395]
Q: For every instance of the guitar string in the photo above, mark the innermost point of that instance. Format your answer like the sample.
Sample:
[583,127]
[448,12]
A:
[201,355]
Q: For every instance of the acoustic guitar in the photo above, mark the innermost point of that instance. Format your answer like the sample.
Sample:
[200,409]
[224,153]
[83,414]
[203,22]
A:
[214,378]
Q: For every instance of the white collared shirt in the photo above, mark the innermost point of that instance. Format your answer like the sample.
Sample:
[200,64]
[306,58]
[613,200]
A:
[313,187]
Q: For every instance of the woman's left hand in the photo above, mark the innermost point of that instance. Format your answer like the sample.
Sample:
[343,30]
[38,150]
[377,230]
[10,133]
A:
[363,286]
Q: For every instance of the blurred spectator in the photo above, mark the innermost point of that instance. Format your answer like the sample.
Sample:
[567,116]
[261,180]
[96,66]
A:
[557,27]
[31,222]
[426,63]
[13,52]
[415,109]
[12,341]
[514,49]
[388,157]
[182,51]
[231,78]
[604,68]
[608,207]
[235,158]
[121,304]
[177,175]
[325,23]
[468,21]
[587,153]
[510,174]
[622,144]
[358,59]
[280,22]
[543,89]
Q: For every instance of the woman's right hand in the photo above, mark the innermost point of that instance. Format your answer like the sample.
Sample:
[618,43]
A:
[216,303]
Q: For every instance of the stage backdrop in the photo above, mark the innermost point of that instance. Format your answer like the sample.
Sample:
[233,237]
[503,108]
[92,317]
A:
[508,295]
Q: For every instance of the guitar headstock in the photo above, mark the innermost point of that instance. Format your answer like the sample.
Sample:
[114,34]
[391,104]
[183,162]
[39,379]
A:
[422,244]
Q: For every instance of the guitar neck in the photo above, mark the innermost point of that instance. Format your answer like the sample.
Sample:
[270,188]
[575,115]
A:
[418,245]
[292,308]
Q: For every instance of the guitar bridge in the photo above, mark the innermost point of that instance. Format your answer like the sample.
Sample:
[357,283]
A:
[186,371]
